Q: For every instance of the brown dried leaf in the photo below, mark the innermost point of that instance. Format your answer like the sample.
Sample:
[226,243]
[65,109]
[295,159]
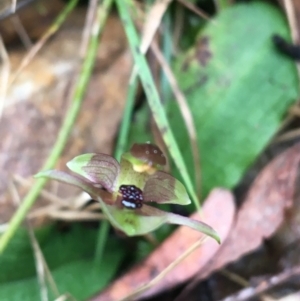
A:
[263,211]
[218,212]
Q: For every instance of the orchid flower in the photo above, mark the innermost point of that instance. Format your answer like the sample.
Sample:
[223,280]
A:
[125,189]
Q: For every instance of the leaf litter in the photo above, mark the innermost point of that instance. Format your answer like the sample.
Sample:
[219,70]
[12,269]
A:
[264,210]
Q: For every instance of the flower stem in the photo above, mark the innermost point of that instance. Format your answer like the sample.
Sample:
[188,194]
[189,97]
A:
[153,97]
[101,241]
[125,124]
[120,149]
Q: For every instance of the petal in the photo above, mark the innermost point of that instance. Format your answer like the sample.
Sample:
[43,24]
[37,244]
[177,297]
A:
[64,177]
[98,168]
[130,221]
[163,188]
[176,219]
[149,153]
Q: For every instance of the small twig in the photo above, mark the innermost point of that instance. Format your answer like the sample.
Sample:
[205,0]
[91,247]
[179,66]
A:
[40,263]
[90,17]
[38,46]
[295,110]
[292,134]
[178,26]
[194,9]
[4,74]
[76,215]
[7,10]
[21,31]
[160,276]
[234,277]
[185,111]
[13,6]
[55,211]
[192,284]
[154,18]
[46,194]
[65,297]
[250,292]
[291,16]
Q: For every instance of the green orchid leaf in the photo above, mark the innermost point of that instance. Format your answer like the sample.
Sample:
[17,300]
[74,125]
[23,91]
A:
[101,169]
[70,258]
[132,222]
[163,188]
[238,89]
[176,219]
[66,178]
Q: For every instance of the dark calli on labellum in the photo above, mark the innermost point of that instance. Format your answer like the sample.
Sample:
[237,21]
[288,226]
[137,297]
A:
[132,197]
[125,189]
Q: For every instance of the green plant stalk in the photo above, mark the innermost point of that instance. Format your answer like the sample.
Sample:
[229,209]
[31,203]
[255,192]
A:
[66,128]
[125,124]
[167,52]
[101,241]
[61,17]
[153,97]
[120,149]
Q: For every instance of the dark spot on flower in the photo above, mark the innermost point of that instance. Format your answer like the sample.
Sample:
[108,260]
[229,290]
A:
[132,197]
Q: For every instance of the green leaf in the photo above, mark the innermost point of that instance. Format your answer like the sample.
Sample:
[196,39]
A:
[70,256]
[101,169]
[139,130]
[163,188]
[238,88]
